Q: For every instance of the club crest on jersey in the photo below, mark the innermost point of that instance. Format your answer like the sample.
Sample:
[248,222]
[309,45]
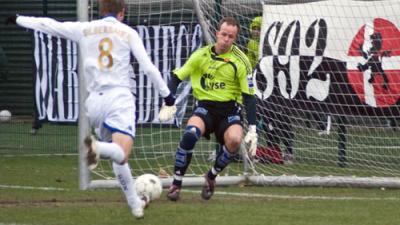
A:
[250,81]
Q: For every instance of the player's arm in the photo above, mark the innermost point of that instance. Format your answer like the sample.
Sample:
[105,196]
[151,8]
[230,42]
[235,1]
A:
[251,137]
[168,109]
[247,86]
[249,102]
[180,74]
[246,82]
[147,65]
[174,83]
[68,30]
[177,76]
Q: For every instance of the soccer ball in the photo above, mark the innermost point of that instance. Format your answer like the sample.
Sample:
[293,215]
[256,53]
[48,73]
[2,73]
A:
[5,116]
[148,185]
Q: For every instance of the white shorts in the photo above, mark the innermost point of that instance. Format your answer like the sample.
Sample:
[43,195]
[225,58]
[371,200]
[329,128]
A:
[111,110]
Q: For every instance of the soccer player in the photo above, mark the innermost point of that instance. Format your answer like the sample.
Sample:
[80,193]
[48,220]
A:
[254,41]
[221,78]
[106,45]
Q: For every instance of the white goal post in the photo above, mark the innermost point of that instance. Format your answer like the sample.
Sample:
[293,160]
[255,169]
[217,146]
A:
[328,89]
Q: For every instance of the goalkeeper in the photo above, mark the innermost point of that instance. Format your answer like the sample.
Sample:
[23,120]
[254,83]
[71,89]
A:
[221,79]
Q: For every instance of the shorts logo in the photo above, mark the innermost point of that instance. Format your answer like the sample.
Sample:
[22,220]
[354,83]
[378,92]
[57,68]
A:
[233,118]
[201,110]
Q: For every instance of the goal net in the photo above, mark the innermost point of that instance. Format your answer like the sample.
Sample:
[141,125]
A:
[328,84]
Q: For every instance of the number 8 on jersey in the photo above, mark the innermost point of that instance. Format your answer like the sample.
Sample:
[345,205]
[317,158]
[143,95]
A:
[105,59]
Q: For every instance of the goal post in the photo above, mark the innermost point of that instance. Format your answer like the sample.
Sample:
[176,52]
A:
[83,123]
[328,89]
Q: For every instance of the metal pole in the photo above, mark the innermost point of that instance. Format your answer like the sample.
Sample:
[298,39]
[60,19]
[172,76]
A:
[204,26]
[83,124]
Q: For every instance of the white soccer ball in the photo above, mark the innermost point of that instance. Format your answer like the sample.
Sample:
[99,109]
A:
[148,185]
[5,116]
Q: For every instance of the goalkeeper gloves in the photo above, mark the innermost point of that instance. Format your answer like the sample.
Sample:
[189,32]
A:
[251,139]
[168,109]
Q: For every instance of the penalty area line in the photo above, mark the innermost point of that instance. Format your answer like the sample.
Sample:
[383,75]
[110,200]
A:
[3,186]
[297,197]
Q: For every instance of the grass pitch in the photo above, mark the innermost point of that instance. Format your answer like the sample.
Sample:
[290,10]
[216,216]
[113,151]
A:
[43,190]
[39,186]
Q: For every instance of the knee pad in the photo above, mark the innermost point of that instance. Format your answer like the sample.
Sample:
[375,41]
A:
[190,136]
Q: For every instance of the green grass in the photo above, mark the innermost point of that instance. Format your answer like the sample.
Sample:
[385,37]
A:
[274,205]
[370,152]
[28,164]
[15,138]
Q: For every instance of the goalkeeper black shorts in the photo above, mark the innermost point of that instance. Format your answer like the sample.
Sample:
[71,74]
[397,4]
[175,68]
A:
[218,116]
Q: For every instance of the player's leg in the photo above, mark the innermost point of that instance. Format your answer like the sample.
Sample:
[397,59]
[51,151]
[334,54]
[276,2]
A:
[124,176]
[232,137]
[107,113]
[192,133]
[118,151]
[105,150]
[112,116]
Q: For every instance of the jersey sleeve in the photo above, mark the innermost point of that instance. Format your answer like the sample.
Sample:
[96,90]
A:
[68,30]
[146,64]
[189,67]
[246,79]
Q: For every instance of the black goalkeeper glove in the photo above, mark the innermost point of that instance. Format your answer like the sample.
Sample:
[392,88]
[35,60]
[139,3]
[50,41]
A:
[11,20]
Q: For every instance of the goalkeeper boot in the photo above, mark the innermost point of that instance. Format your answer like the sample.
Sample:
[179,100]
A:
[92,156]
[208,188]
[173,193]
[138,212]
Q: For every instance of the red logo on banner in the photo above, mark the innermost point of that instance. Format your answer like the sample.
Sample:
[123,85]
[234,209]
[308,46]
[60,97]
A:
[374,72]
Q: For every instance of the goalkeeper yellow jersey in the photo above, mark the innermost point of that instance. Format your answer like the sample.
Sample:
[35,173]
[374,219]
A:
[218,78]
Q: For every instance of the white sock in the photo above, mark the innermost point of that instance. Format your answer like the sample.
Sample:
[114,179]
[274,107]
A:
[124,176]
[110,151]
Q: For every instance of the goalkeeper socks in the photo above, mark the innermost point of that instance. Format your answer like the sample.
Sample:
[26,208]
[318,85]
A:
[177,181]
[212,174]
[182,161]
[110,151]
[224,157]
[125,179]
[184,152]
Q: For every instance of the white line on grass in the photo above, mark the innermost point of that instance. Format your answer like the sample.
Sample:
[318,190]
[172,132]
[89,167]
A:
[305,197]
[32,188]
[241,194]
[39,155]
